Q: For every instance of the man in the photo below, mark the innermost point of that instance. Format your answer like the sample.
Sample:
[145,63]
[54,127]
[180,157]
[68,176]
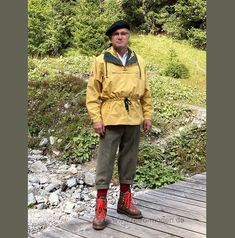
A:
[118,101]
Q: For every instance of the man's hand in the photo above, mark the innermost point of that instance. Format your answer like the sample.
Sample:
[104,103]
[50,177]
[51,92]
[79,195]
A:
[147,125]
[99,128]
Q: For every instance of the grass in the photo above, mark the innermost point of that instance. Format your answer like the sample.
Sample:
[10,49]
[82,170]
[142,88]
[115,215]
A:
[155,51]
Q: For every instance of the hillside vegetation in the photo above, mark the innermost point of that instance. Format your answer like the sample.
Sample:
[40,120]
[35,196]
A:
[177,74]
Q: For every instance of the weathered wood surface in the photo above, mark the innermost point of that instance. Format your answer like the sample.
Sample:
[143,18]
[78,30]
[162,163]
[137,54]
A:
[175,210]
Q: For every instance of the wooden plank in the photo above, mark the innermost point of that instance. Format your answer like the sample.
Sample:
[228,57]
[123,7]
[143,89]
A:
[175,211]
[186,223]
[170,203]
[191,180]
[183,194]
[55,232]
[157,225]
[191,185]
[199,177]
[85,229]
[184,189]
[132,228]
[159,193]
[172,219]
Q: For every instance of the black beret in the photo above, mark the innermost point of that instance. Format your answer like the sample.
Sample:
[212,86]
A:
[117,25]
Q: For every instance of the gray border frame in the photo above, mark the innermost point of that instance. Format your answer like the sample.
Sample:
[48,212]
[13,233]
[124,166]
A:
[13,126]
[220,126]
[220,122]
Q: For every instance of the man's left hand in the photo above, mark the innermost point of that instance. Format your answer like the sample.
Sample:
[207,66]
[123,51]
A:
[147,125]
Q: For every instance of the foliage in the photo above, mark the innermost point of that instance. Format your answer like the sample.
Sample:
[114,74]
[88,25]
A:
[188,152]
[174,68]
[47,116]
[80,147]
[50,26]
[133,13]
[197,37]
[188,21]
[92,20]
[174,18]
[152,171]
[154,174]
[182,156]
[51,68]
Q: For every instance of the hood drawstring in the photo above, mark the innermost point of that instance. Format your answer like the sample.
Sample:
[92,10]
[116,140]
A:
[127,102]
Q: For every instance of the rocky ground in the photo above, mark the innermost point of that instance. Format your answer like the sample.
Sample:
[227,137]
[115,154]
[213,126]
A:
[59,193]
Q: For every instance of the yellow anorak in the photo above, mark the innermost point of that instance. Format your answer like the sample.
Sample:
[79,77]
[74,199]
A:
[117,94]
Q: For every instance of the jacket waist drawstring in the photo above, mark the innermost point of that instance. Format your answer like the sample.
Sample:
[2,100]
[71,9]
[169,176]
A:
[127,102]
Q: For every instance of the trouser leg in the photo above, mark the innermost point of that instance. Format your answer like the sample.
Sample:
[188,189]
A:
[128,154]
[107,150]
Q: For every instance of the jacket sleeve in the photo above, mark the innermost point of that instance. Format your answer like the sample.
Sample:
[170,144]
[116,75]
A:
[146,99]
[94,89]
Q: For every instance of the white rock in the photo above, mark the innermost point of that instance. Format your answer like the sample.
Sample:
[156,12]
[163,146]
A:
[72,182]
[72,170]
[39,199]
[52,140]
[81,182]
[31,199]
[37,152]
[41,206]
[38,167]
[93,194]
[77,195]
[35,157]
[74,214]
[30,188]
[52,187]
[69,207]
[33,179]
[67,105]
[89,179]
[43,142]
[56,152]
[54,199]
[43,180]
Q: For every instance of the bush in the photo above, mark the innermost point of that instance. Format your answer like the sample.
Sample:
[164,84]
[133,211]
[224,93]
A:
[177,70]
[154,174]
[197,38]
[174,68]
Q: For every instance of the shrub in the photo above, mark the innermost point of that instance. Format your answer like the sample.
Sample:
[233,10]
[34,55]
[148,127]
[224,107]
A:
[197,38]
[174,68]
[177,70]
[154,174]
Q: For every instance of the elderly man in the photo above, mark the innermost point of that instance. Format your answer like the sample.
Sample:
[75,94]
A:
[118,101]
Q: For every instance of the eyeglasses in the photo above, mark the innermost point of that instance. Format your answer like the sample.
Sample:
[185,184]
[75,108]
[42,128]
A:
[123,33]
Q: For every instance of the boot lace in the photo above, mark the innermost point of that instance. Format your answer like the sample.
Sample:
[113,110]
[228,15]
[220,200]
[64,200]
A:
[101,209]
[128,201]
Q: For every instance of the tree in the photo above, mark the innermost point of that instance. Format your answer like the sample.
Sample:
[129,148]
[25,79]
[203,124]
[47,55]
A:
[93,19]
[50,26]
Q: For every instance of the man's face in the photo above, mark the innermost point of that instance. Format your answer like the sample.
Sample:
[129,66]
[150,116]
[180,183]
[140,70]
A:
[119,38]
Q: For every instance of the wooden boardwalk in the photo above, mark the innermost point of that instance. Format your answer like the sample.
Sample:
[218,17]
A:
[176,210]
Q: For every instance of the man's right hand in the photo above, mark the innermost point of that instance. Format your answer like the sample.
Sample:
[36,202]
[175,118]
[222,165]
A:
[99,128]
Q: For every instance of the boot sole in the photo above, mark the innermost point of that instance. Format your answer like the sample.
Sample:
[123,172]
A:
[129,215]
[98,227]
